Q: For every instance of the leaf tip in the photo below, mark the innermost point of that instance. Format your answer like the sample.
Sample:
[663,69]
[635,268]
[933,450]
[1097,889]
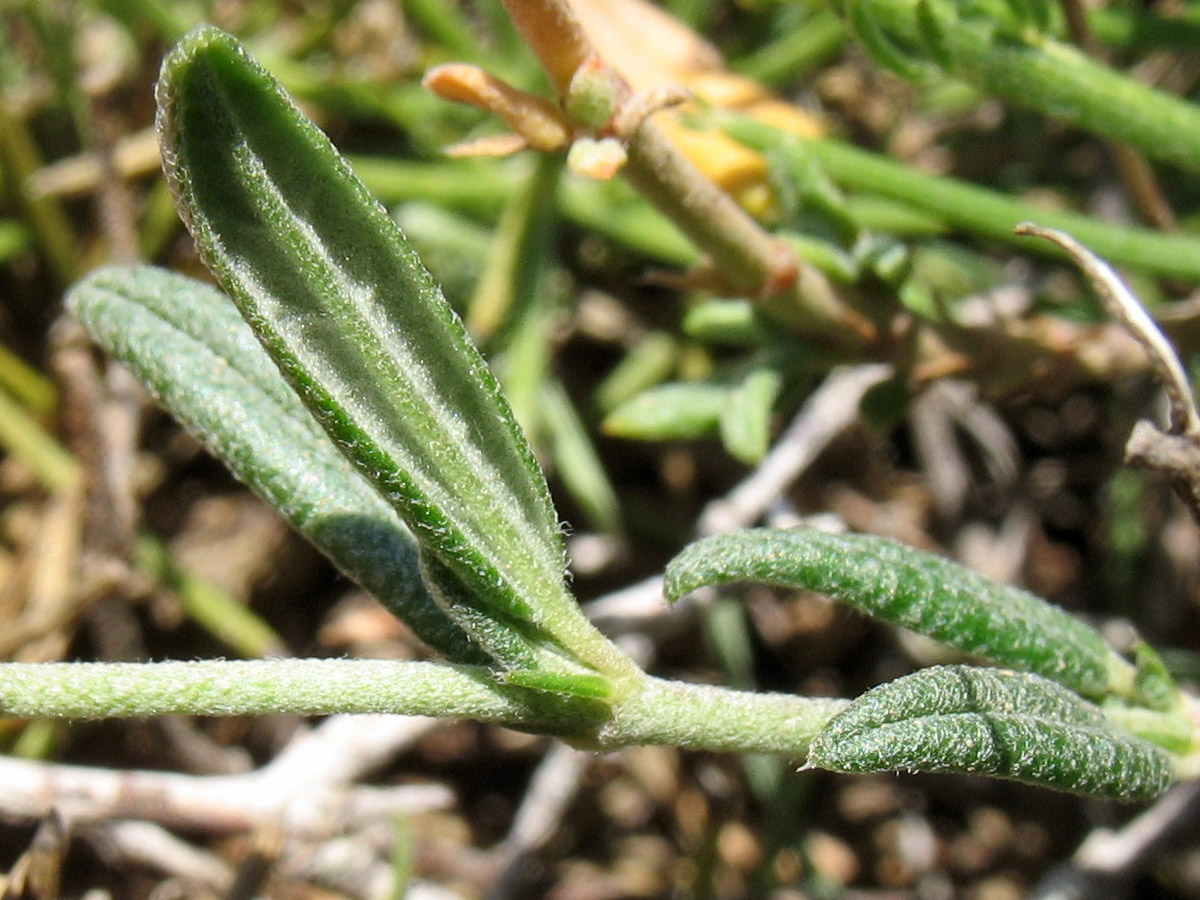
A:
[205,45]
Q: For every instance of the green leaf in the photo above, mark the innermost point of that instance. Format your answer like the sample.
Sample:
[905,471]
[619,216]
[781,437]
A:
[806,191]
[343,306]
[746,419]
[933,31]
[830,258]
[186,342]
[966,720]
[506,637]
[722,321]
[1031,15]
[680,410]
[920,591]
[648,362]
[1155,686]
[889,196]
[880,46]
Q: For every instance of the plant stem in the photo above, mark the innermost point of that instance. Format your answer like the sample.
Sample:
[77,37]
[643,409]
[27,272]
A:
[24,437]
[797,53]
[748,257]
[1137,29]
[555,36]
[994,215]
[745,258]
[700,717]
[260,687]
[508,286]
[711,717]
[29,387]
[234,624]
[1140,182]
[51,227]
[979,210]
[1058,80]
[476,187]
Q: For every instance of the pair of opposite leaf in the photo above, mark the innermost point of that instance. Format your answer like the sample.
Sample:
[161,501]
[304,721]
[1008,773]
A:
[386,416]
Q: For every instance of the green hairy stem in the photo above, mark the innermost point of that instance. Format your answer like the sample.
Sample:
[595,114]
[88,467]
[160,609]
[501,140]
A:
[702,717]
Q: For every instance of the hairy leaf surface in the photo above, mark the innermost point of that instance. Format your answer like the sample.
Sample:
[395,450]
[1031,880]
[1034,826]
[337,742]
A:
[959,719]
[343,305]
[186,342]
[926,593]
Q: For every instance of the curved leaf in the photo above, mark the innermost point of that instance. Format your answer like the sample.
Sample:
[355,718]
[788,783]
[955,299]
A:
[958,719]
[342,304]
[926,593]
[188,345]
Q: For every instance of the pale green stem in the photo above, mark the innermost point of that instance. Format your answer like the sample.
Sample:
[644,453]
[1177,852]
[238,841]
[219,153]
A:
[743,255]
[746,255]
[701,717]
[711,717]
[255,687]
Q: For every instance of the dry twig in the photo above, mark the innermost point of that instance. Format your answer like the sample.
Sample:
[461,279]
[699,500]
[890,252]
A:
[307,789]
[1176,451]
[1107,862]
[554,784]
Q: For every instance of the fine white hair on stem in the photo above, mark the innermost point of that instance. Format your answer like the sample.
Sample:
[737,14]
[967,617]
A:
[1124,306]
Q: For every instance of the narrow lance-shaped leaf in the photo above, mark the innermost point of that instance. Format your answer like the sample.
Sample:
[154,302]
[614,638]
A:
[344,307]
[960,719]
[679,410]
[920,591]
[186,342]
[746,420]
[648,362]
[1156,687]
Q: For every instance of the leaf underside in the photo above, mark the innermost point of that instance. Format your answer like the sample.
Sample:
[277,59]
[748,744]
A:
[187,343]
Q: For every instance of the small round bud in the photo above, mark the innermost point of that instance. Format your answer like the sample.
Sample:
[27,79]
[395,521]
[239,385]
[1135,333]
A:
[593,96]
